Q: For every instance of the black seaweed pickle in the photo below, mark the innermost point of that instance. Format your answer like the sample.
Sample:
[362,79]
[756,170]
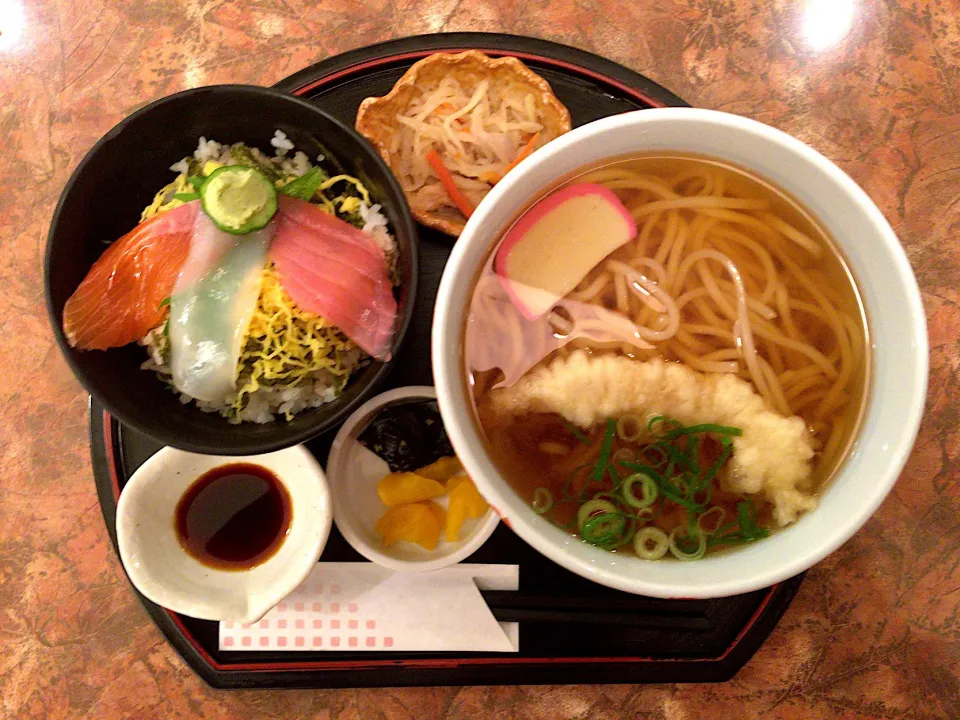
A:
[407,435]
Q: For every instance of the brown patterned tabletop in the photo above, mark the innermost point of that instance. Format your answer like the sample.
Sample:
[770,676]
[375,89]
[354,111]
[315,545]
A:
[875,629]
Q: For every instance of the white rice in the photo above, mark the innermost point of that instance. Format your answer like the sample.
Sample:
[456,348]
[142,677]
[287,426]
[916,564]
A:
[375,224]
[281,142]
[267,402]
[207,150]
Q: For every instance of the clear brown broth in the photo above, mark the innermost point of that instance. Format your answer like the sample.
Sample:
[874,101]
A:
[515,448]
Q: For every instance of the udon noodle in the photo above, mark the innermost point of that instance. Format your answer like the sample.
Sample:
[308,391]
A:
[725,276]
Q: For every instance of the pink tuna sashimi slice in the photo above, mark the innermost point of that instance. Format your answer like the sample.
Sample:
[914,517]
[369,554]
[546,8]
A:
[336,271]
[312,217]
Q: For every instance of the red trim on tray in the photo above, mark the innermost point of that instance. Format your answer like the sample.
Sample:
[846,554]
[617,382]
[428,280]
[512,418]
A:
[112,461]
[577,69]
[447,662]
[108,436]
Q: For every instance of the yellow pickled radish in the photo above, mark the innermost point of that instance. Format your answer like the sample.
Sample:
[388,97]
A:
[441,470]
[476,506]
[456,480]
[456,517]
[465,502]
[414,522]
[438,512]
[406,487]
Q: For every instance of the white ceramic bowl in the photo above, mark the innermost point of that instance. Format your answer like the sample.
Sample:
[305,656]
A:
[890,295]
[354,472]
[161,570]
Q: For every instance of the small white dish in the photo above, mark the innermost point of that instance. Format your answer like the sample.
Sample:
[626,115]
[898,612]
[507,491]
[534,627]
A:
[354,472]
[164,573]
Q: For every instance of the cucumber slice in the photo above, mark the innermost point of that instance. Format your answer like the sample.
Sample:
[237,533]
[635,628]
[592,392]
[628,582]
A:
[238,199]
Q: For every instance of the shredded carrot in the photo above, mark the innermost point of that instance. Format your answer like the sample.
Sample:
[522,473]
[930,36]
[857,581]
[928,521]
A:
[459,199]
[524,152]
[493,178]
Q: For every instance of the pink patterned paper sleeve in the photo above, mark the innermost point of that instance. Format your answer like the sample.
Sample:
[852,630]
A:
[362,606]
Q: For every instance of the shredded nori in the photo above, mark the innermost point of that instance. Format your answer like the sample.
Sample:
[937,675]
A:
[354,218]
[407,435]
[244,157]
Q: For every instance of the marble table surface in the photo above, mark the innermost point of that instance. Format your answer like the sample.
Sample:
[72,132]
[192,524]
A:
[873,84]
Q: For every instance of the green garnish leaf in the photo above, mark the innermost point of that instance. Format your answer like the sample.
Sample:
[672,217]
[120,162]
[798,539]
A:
[196,181]
[305,186]
[186,197]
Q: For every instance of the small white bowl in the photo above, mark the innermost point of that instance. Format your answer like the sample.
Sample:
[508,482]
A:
[160,568]
[897,326]
[354,472]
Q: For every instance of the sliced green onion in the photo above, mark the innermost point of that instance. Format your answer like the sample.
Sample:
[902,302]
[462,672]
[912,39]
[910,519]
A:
[668,423]
[704,428]
[605,449]
[567,491]
[615,476]
[629,428]
[683,489]
[717,512]
[665,487]
[603,530]
[590,507]
[623,455]
[650,543]
[715,468]
[692,454]
[747,516]
[701,496]
[682,554]
[542,500]
[576,432]
[664,456]
[647,514]
[626,537]
[648,487]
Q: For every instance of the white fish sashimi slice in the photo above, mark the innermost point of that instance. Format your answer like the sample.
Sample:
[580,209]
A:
[211,306]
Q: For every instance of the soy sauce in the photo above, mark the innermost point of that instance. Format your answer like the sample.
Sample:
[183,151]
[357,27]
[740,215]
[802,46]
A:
[234,517]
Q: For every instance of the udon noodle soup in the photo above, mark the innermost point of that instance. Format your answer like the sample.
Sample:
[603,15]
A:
[690,391]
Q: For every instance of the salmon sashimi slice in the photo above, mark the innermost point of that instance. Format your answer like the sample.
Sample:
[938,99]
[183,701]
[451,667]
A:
[119,301]
[331,268]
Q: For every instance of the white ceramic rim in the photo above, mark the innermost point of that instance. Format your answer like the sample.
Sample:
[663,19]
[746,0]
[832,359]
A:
[481,533]
[900,356]
[317,529]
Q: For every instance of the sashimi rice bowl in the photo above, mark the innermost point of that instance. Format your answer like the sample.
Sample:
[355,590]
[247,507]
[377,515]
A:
[258,281]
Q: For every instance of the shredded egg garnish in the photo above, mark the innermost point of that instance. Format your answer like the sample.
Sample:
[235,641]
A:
[285,343]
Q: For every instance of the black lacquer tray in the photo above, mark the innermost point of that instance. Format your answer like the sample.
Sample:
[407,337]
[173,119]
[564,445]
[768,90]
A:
[571,630]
